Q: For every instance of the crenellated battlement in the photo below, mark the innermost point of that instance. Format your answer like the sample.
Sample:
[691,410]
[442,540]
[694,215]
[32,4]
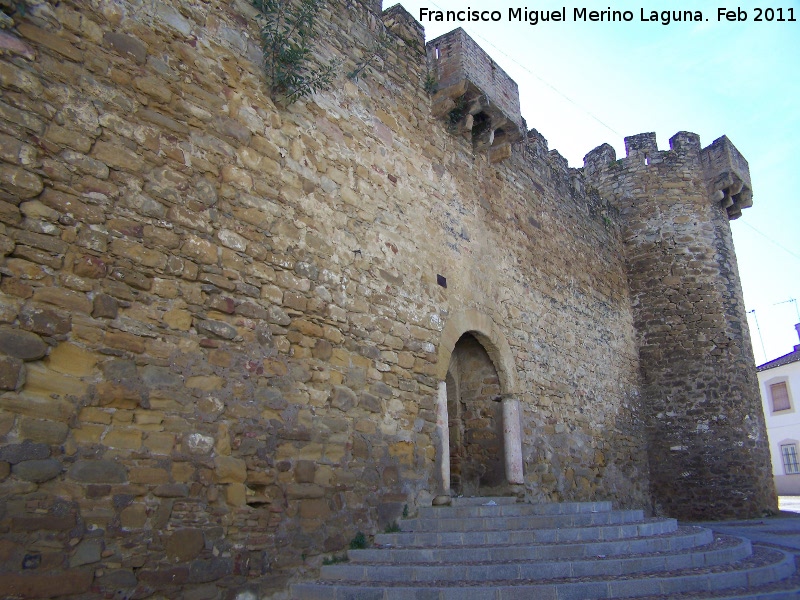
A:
[725,172]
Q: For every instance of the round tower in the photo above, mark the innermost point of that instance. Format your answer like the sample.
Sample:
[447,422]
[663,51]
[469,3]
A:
[708,450]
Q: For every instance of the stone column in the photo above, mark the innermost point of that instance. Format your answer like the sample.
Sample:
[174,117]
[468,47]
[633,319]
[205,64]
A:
[443,429]
[512,440]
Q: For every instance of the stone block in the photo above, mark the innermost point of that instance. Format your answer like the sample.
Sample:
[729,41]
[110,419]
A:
[25,451]
[72,301]
[43,431]
[37,471]
[316,508]
[207,383]
[304,471]
[217,329]
[130,439]
[20,344]
[87,552]
[148,475]
[124,341]
[159,442]
[12,373]
[117,157]
[172,490]
[19,182]
[72,360]
[126,46]
[88,434]
[403,452]
[40,407]
[45,321]
[47,585]
[236,494]
[50,40]
[200,250]
[178,319]
[184,545]
[98,471]
[46,382]
[229,469]
[133,516]
[104,307]
[343,398]
[91,414]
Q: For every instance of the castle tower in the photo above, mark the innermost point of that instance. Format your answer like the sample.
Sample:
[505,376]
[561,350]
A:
[707,441]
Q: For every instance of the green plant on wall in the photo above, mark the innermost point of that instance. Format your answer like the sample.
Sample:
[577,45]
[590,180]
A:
[287,36]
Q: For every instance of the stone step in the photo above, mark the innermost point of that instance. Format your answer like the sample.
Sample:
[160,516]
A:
[723,550]
[482,500]
[682,539]
[644,528]
[513,510]
[763,568]
[500,523]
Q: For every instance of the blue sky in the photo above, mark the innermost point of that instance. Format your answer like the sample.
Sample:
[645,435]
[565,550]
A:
[584,84]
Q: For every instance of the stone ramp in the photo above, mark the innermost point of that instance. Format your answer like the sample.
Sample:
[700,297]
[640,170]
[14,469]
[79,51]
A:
[499,549]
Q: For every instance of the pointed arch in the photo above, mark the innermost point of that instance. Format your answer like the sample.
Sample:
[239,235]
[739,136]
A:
[487,332]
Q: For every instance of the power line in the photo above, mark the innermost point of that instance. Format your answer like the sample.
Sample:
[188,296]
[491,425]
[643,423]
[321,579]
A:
[764,235]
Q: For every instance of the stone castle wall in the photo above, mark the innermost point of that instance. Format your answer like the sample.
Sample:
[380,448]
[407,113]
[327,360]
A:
[222,323]
[706,434]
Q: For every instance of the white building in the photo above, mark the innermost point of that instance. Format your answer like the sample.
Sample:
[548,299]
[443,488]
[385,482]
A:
[779,381]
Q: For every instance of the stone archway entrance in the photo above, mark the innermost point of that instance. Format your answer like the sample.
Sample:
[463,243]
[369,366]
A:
[475,421]
[478,416]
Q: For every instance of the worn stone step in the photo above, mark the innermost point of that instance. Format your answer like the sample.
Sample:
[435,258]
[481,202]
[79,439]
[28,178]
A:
[644,528]
[682,539]
[724,549]
[483,500]
[513,510]
[764,568]
[499,523]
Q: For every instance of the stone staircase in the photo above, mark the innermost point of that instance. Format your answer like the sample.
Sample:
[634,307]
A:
[499,549]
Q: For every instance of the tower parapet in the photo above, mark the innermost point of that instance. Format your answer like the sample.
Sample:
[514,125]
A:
[707,441]
[478,98]
[727,176]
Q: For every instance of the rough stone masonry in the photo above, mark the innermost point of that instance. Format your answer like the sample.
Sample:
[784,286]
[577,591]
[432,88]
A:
[227,326]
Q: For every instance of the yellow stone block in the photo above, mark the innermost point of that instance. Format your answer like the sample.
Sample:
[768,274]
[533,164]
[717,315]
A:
[130,439]
[403,452]
[44,381]
[182,471]
[91,414]
[72,360]
[122,417]
[236,494]
[160,443]
[88,434]
[148,417]
[229,469]
[207,383]
[38,406]
[148,475]
[178,319]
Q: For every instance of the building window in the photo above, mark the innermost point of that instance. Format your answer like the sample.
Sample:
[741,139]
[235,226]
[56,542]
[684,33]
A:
[789,454]
[780,396]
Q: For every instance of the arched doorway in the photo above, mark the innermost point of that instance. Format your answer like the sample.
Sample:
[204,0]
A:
[475,421]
